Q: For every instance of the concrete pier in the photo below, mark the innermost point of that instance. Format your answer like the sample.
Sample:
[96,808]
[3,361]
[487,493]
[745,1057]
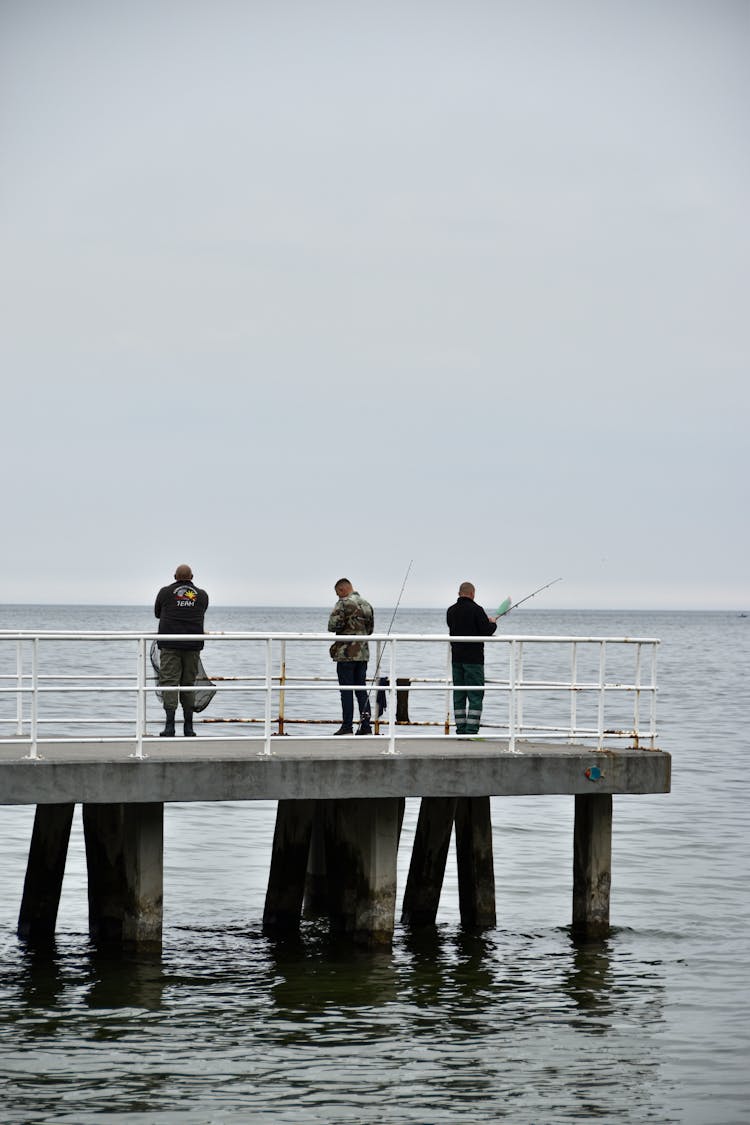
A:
[338,824]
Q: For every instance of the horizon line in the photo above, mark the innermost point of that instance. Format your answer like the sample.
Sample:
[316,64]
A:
[326,607]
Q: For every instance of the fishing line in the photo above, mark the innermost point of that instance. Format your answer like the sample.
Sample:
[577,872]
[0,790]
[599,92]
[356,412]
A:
[388,631]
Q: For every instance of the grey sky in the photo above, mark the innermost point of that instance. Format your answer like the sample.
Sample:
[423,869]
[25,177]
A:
[297,290]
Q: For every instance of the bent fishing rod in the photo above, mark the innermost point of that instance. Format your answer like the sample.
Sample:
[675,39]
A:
[506,606]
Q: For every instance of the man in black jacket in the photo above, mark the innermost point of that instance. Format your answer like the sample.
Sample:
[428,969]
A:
[180,608]
[467,619]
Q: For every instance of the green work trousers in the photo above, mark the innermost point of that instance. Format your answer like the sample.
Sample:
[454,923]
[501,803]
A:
[178,666]
[467,704]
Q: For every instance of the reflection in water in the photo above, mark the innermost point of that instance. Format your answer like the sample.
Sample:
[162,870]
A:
[588,981]
[441,965]
[619,1006]
[40,982]
[310,976]
[108,980]
[125,981]
[479,1020]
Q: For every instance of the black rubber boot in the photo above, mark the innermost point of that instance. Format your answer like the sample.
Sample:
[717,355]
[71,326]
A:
[364,726]
[168,731]
[187,726]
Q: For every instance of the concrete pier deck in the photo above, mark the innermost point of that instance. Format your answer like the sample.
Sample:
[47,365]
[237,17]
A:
[215,769]
[339,814]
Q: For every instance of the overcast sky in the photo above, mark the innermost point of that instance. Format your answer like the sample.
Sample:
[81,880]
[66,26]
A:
[297,290]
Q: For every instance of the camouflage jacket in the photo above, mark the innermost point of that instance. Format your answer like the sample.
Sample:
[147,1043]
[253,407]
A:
[352,615]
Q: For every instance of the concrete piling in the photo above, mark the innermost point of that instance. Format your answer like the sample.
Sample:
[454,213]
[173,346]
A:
[44,872]
[289,863]
[428,858]
[361,849]
[476,871]
[592,865]
[143,829]
[315,901]
[124,857]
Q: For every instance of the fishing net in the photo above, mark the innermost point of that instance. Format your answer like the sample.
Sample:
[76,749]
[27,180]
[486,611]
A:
[201,698]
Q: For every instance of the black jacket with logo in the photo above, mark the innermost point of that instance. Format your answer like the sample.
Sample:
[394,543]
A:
[467,619]
[180,609]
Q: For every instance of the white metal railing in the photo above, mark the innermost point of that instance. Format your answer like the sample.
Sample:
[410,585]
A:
[542,688]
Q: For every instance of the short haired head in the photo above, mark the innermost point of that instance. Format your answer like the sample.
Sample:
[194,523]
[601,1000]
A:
[343,588]
[466,590]
[183,573]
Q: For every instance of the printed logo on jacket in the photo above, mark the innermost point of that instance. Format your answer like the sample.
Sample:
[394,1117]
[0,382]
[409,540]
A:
[186,596]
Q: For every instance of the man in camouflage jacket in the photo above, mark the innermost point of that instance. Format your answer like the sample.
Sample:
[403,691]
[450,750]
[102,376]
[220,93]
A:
[351,616]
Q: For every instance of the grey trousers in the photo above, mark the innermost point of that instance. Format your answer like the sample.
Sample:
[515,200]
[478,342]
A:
[178,667]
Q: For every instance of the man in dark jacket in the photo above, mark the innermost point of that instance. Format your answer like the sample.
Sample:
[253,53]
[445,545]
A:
[180,608]
[467,619]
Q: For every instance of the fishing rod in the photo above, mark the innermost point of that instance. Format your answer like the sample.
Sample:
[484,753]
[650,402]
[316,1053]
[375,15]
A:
[506,606]
[388,631]
[400,596]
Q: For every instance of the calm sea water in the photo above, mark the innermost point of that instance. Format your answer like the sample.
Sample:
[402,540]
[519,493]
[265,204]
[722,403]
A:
[519,1024]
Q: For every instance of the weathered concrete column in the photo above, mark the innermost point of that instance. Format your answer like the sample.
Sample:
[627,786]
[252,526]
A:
[102,833]
[476,871]
[144,875]
[361,851]
[315,901]
[44,872]
[592,865]
[125,860]
[428,858]
[286,879]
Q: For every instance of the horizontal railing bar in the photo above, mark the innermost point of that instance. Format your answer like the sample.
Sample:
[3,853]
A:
[54,675]
[490,724]
[424,638]
[419,684]
[326,686]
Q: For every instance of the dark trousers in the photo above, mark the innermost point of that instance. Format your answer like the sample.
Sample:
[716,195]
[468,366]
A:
[178,667]
[352,673]
[467,704]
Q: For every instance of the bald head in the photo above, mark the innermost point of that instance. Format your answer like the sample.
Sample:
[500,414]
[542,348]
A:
[183,573]
[466,590]
[344,588]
